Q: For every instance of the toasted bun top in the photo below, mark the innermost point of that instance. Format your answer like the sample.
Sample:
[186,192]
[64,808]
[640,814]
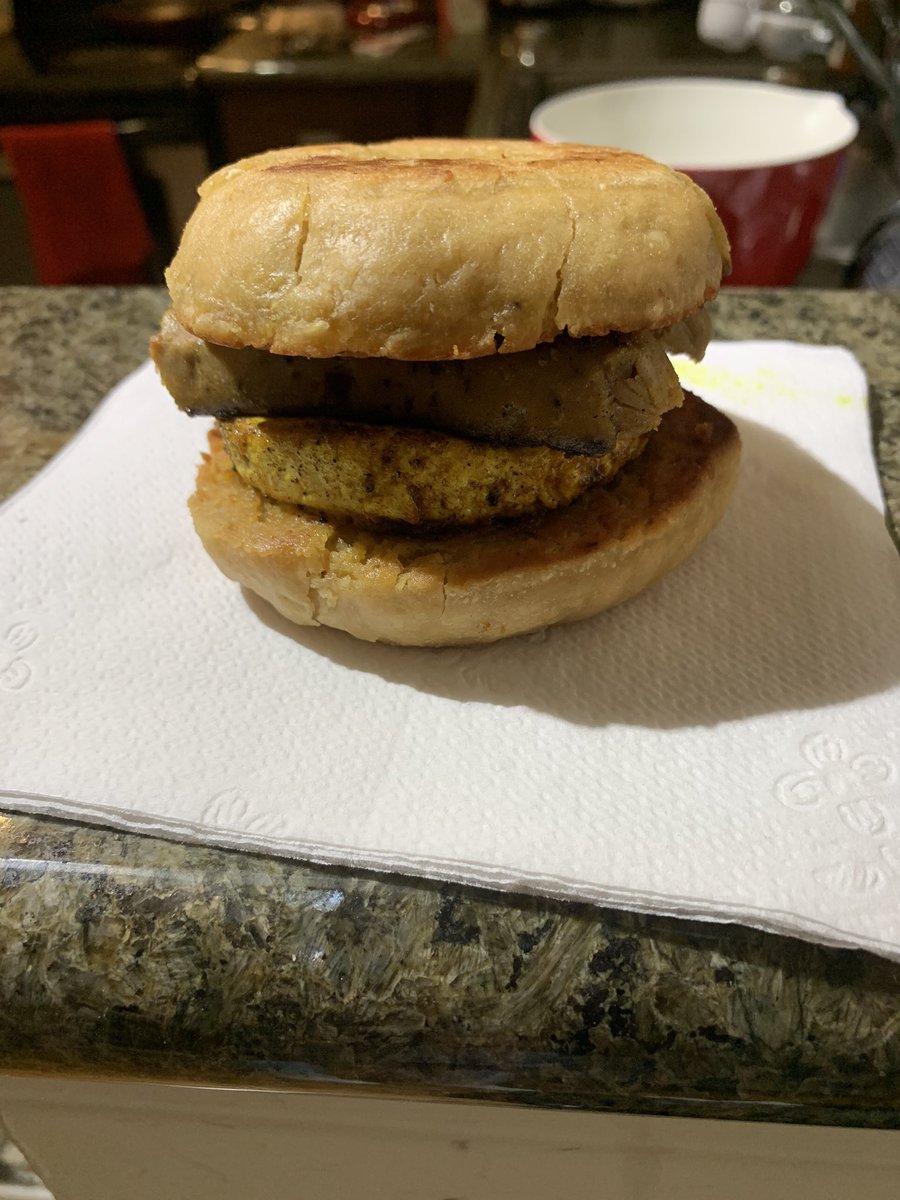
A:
[441,248]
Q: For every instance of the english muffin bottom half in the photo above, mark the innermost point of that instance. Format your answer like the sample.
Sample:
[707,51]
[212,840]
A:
[445,412]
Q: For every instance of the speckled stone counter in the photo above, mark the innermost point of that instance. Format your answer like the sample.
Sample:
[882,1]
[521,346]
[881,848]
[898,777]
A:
[127,956]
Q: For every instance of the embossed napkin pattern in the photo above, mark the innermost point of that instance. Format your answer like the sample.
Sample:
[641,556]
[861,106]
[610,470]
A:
[725,746]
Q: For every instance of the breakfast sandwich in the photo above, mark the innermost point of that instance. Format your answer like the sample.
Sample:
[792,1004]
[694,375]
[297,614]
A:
[444,407]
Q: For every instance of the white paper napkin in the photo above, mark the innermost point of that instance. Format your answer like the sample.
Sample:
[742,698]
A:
[725,746]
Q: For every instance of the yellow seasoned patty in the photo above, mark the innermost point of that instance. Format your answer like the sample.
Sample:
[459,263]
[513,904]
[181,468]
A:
[380,473]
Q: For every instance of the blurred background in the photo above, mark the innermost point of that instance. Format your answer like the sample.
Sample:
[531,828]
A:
[112,112]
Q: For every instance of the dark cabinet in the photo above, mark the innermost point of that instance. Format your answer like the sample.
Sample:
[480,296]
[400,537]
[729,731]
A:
[255,96]
[246,118]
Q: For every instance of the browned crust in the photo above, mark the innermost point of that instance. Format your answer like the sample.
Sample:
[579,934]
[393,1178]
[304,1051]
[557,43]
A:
[483,584]
[438,249]
[477,158]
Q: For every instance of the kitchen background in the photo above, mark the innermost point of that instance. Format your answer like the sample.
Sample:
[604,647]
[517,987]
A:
[189,84]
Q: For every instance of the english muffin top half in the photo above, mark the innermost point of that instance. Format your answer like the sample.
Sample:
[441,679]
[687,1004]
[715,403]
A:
[430,249]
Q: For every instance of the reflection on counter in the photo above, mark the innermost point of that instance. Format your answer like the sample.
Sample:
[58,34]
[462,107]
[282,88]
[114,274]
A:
[17,1180]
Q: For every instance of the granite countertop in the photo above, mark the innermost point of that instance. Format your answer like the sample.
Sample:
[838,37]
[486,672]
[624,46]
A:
[130,956]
